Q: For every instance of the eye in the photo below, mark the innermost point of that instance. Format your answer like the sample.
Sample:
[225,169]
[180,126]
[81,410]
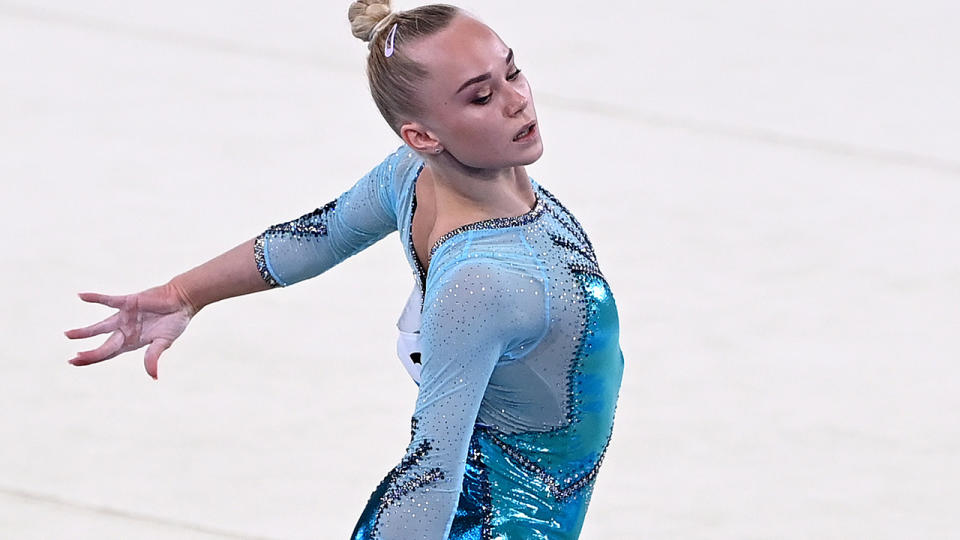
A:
[483,100]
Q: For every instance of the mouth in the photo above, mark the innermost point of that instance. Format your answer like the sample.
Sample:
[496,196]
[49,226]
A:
[528,132]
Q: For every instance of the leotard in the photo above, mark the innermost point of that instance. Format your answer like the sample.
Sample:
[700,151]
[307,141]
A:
[519,367]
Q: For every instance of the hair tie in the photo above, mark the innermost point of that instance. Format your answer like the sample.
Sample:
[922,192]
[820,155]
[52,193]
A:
[388,47]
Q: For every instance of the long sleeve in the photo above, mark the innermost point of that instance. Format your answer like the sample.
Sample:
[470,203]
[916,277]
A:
[314,243]
[479,311]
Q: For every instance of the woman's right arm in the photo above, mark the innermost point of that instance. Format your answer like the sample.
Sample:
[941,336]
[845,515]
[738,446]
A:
[156,317]
[282,255]
[234,273]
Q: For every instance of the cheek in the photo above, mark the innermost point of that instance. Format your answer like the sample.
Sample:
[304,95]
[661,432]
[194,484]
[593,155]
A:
[477,122]
[473,128]
[455,121]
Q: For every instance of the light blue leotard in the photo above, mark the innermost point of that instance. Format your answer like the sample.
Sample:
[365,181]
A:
[519,355]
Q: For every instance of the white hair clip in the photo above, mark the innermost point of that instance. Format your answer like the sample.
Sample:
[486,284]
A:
[391,38]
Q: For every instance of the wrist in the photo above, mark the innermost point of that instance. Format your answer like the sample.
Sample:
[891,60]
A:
[180,291]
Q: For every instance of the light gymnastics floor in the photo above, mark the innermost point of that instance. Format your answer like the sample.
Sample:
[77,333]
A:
[773,191]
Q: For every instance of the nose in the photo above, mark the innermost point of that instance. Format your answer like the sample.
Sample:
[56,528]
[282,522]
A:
[518,102]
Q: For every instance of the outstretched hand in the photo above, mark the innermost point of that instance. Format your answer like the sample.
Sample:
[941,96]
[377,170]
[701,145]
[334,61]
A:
[154,318]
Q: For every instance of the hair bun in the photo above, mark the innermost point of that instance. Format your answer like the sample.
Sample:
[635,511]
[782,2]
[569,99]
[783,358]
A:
[364,16]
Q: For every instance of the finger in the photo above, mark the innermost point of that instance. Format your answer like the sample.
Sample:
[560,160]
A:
[152,356]
[109,324]
[109,349]
[107,300]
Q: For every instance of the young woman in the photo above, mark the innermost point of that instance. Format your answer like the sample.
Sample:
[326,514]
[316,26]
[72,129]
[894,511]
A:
[511,330]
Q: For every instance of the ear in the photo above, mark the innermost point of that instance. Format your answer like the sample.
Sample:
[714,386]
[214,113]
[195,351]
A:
[419,138]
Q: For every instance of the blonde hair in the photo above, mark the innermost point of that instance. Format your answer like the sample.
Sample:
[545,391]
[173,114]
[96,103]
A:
[394,80]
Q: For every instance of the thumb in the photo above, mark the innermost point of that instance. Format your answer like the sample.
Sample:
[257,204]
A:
[152,356]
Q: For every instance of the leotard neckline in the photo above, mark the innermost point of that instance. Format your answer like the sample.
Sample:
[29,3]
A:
[489,223]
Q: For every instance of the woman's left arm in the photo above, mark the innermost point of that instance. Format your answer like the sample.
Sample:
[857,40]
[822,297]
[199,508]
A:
[475,314]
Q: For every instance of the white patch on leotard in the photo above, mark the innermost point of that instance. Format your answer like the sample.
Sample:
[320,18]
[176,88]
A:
[408,340]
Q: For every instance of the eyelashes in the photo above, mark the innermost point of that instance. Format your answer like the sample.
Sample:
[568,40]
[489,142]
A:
[483,100]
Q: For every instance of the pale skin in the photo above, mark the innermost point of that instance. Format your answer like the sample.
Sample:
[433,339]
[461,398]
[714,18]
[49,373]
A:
[474,170]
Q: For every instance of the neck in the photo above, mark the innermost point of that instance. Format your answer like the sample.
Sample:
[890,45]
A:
[468,193]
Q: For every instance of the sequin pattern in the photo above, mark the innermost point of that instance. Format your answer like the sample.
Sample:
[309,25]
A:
[563,488]
[495,223]
[418,269]
[311,225]
[570,222]
[402,486]
[260,259]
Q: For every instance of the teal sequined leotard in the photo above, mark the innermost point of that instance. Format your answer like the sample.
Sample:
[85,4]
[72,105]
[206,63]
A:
[520,361]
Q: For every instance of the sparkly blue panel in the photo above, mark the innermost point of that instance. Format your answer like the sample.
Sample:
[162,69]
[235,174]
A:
[473,514]
[543,480]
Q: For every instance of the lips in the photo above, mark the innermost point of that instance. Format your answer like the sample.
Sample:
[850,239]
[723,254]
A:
[526,132]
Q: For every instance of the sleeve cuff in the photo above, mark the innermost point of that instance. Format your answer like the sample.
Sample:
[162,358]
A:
[263,263]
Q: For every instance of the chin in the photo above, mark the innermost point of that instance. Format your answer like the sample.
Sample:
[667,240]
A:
[539,152]
[515,157]
[526,158]
[532,155]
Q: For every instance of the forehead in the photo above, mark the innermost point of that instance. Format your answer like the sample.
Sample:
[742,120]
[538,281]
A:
[464,49]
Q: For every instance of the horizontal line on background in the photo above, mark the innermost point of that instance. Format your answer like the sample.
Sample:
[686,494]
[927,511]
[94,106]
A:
[766,136]
[759,135]
[123,514]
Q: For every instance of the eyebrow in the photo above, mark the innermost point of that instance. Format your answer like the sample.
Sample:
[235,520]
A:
[485,76]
